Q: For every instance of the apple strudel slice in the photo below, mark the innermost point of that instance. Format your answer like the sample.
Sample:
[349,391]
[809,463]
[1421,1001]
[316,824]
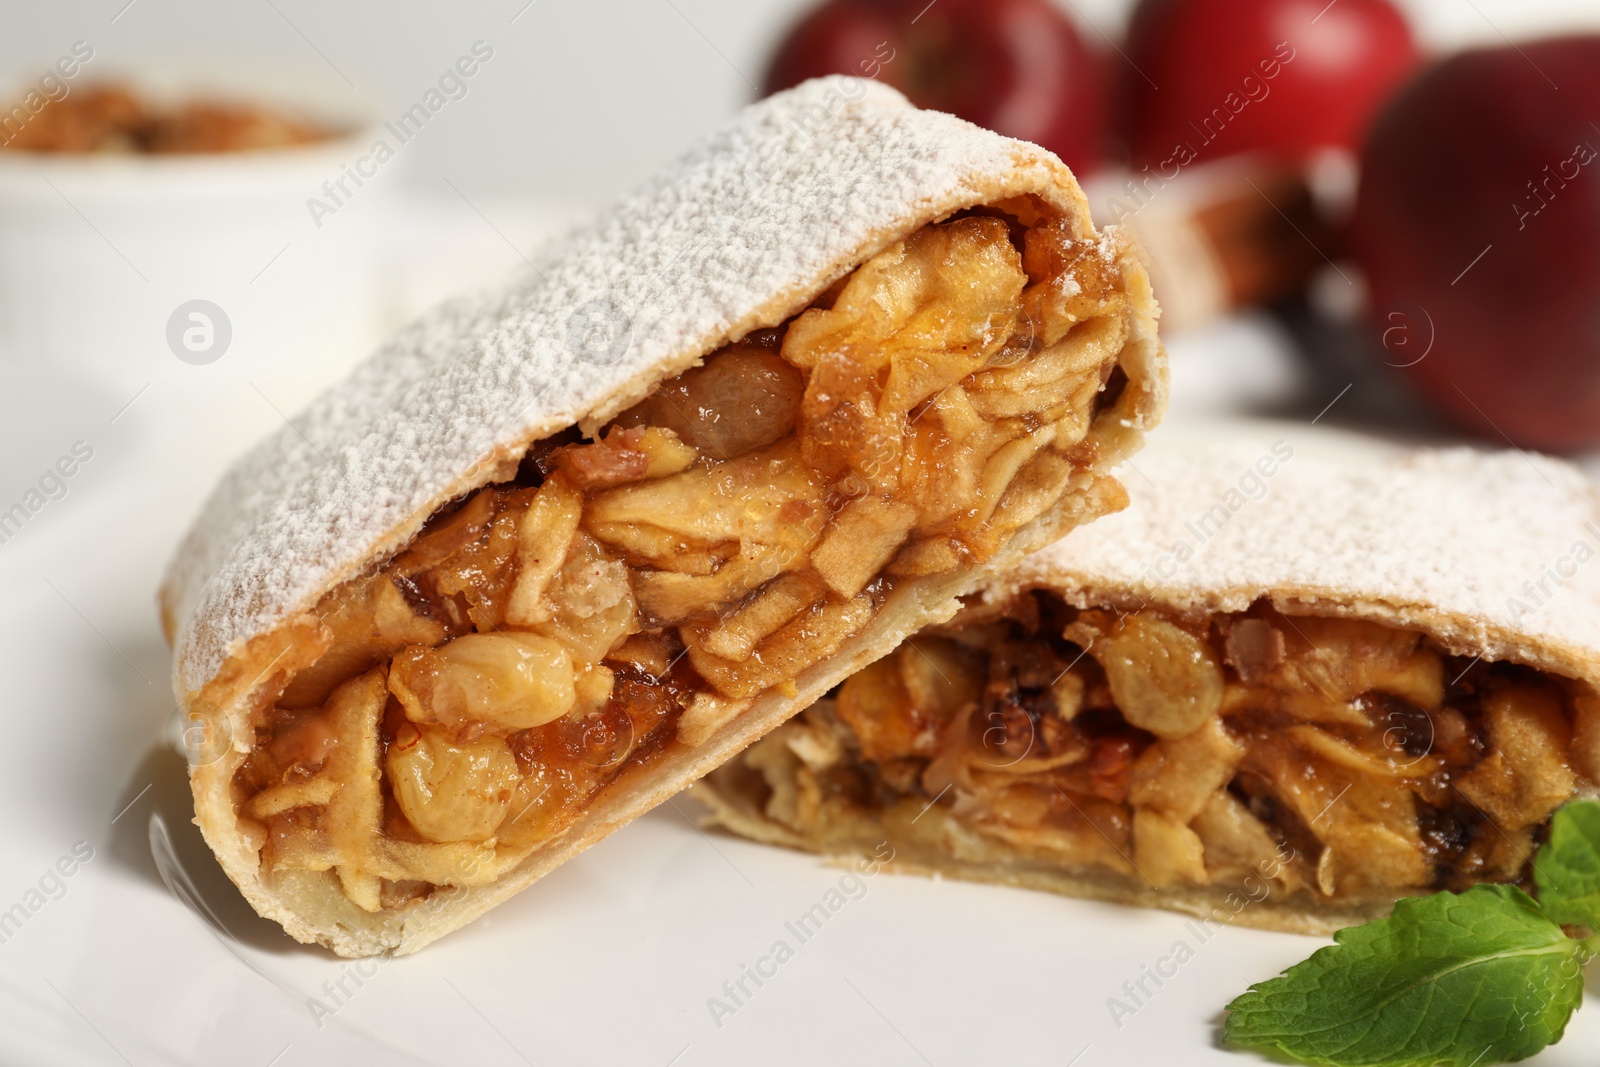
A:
[562,548]
[1286,708]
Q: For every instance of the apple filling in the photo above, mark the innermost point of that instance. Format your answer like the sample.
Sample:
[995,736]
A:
[624,597]
[1342,759]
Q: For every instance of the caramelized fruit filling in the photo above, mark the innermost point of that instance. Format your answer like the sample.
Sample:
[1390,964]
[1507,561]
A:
[1184,753]
[630,594]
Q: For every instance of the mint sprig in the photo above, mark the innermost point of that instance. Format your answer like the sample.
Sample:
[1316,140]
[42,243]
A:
[1567,872]
[1477,977]
[1462,979]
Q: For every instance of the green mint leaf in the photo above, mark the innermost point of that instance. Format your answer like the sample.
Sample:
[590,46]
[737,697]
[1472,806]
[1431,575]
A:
[1567,871]
[1475,978]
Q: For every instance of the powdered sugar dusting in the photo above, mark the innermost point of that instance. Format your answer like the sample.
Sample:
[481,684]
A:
[741,232]
[1500,549]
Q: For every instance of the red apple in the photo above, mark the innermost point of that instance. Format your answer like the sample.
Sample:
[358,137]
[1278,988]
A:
[1478,226]
[1210,78]
[1015,66]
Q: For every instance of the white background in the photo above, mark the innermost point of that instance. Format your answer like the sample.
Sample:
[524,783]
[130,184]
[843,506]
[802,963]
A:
[612,959]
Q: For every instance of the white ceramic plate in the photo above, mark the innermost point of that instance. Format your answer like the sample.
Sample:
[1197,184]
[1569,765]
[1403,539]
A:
[615,958]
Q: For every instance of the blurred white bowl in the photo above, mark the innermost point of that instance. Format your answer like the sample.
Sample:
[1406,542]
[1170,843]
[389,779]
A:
[98,252]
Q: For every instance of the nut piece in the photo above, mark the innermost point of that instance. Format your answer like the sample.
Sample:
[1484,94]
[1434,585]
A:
[450,790]
[1163,678]
[1067,692]
[514,680]
[625,455]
